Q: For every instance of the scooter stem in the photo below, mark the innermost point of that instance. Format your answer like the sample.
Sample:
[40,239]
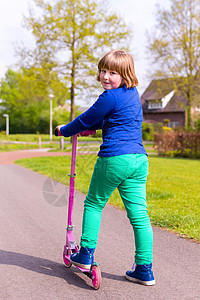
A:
[72,181]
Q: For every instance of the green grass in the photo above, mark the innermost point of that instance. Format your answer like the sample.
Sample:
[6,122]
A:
[173,194]
[16,147]
[53,146]
[44,137]
[173,188]
[24,137]
[34,138]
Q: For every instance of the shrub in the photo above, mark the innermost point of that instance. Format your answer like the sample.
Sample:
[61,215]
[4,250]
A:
[178,144]
[166,122]
[149,129]
[197,125]
[167,129]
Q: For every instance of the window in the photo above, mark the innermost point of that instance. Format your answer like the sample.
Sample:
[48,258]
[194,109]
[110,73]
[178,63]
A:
[173,125]
[154,104]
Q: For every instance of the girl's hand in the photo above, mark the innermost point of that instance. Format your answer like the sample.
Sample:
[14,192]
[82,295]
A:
[57,130]
[59,126]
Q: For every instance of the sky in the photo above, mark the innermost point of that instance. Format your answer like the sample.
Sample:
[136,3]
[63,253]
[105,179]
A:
[140,14]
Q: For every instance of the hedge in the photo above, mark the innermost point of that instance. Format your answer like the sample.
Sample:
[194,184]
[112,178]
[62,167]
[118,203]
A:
[178,144]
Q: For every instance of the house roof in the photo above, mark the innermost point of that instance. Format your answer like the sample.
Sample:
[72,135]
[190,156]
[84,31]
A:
[157,90]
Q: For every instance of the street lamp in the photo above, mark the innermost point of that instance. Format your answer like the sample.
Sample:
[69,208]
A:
[7,123]
[51,98]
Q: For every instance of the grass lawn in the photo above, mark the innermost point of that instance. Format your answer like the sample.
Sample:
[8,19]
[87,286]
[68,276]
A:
[173,188]
[6,142]
[16,147]
[44,138]
[24,142]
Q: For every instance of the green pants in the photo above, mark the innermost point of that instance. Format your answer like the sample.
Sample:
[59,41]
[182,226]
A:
[128,173]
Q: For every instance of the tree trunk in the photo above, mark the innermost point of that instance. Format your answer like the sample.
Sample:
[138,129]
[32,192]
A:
[189,117]
[189,96]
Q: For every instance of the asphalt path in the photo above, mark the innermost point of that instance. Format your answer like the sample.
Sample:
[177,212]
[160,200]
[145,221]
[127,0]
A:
[33,211]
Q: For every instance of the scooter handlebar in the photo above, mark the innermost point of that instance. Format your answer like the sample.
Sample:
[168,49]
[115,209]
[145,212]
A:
[57,132]
[83,133]
[87,132]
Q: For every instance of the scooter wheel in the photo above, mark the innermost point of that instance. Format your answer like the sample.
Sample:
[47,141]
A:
[96,277]
[67,262]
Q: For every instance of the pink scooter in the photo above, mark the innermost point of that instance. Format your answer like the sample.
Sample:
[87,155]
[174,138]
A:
[70,247]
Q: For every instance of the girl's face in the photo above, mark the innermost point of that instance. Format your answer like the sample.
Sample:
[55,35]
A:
[110,79]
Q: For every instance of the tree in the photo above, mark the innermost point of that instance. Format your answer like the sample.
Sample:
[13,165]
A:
[75,33]
[25,97]
[175,47]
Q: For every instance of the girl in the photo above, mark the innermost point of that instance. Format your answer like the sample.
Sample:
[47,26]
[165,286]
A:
[122,162]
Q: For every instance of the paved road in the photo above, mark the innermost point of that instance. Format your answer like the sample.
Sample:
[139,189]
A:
[10,157]
[32,226]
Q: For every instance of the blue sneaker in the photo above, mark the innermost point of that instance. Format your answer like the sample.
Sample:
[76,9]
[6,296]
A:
[84,258]
[141,274]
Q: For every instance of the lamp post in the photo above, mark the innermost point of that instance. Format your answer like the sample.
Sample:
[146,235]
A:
[7,123]
[51,98]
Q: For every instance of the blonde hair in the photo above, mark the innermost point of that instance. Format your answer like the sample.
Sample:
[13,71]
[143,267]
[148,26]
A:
[121,62]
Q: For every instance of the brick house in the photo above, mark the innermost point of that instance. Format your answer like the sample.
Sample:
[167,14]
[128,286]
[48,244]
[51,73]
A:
[160,101]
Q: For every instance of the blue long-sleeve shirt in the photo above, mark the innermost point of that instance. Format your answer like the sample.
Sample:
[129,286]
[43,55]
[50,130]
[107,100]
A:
[119,113]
